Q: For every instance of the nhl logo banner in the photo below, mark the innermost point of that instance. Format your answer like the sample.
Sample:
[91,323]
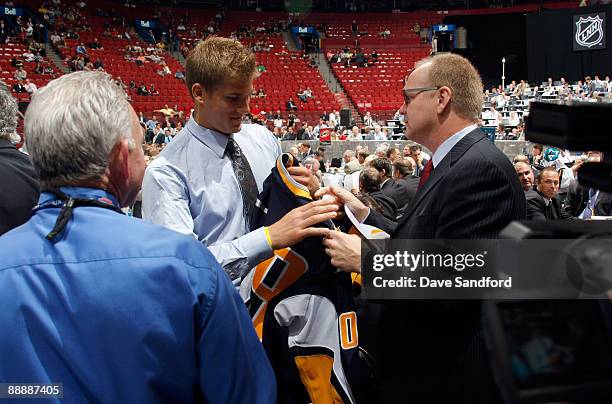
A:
[589,31]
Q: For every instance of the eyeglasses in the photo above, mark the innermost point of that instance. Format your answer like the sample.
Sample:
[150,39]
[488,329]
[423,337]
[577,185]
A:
[418,90]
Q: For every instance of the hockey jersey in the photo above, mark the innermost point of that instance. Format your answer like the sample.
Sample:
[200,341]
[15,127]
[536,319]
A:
[302,307]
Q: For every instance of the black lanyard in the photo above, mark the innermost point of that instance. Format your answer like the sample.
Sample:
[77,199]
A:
[67,203]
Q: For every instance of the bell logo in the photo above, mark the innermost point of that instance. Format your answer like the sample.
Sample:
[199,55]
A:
[589,31]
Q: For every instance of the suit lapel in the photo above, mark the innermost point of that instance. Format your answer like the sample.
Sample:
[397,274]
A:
[440,171]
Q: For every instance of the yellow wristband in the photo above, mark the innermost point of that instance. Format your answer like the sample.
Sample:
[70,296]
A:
[267,231]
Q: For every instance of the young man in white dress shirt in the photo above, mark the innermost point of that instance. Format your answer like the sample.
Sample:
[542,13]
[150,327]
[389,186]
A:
[192,187]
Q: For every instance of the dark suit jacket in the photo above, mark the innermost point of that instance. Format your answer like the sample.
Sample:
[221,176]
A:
[388,204]
[19,88]
[578,196]
[430,349]
[18,187]
[402,191]
[537,208]
[160,138]
[302,135]
[289,136]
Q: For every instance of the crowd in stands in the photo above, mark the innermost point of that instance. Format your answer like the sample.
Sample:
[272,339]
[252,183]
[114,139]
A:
[502,118]
[24,40]
[505,108]
[256,36]
[546,173]
[353,57]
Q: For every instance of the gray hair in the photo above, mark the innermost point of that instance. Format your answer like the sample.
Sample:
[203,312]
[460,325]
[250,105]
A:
[314,163]
[8,113]
[382,149]
[72,125]
[349,153]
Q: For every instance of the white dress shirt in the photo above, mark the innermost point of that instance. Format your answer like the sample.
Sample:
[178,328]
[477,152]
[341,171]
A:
[191,188]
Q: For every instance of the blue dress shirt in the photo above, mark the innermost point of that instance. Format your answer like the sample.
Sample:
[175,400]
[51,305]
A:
[191,188]
[124,311]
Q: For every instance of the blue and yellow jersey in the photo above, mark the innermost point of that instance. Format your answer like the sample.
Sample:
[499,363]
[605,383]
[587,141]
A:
[302,307]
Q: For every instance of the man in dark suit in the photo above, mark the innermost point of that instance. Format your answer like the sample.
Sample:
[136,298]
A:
[291,105]
[468,190]
[585,202]
[543,202]
[388,185]
[403,175]
[305,151]
[417,156]
[369,183]
[19,186]
[19,87]
[289,135]
[163,137]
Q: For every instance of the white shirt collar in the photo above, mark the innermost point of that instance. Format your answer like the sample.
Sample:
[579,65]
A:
[449,143]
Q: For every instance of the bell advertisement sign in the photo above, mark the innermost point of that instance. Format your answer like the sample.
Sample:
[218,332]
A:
[590,31]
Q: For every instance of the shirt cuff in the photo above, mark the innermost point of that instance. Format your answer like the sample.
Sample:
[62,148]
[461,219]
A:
[257,247]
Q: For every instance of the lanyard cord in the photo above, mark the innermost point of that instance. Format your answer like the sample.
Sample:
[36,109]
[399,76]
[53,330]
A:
[69,203]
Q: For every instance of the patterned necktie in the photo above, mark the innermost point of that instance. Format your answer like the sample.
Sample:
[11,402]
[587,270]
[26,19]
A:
[588,210]
[425,174]
[244,175]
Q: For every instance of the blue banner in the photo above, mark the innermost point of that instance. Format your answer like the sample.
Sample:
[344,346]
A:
[146,24]
[303,30]
[443,28]
[11,11]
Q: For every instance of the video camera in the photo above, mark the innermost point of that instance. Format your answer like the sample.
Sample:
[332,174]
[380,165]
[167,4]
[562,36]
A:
[545,349]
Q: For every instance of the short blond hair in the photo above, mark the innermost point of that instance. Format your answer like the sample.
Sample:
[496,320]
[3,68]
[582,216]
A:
[457,73]
[216,61]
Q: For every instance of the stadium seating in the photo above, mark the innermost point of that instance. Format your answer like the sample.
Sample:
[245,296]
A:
[377,88]
[374,89]
[9,51]
[172,91]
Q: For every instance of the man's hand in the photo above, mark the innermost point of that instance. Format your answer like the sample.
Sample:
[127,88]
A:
[296,225]
[346,198]
[577,164]
[305,177]
[344,251]
[536,159]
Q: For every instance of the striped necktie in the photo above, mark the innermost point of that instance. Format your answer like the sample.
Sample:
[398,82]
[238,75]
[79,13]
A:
[245,177]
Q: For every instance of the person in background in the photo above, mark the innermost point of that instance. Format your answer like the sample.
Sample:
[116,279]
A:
[19,187]
[525,175]
[543,202]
